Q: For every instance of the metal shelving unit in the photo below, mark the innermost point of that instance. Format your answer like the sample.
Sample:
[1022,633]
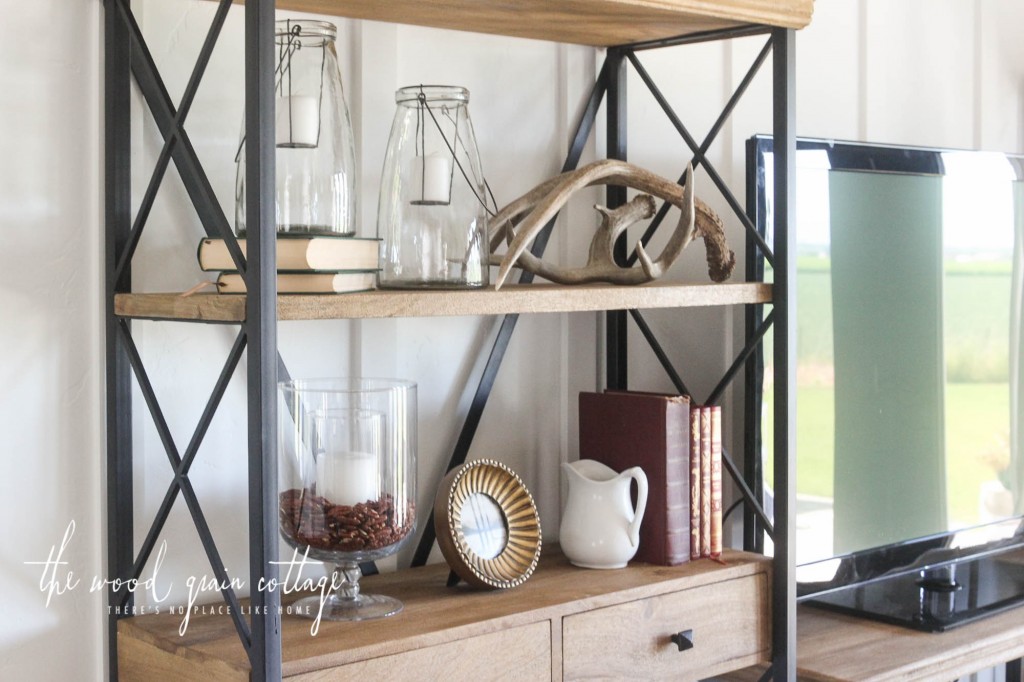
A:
[627,29]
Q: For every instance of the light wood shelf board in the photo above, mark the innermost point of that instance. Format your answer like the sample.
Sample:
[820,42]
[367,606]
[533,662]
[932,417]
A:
[531,298]
[435,614]
[586,22]
[837,648]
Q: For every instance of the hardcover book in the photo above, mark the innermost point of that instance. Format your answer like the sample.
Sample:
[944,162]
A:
[623,429]
[306,283]
[695,515]
[716,481]
[705,481]
[301,254]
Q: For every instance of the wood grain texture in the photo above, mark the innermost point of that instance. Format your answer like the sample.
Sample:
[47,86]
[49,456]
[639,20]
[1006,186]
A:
[522,653]
[531,298]
[837,648]
[436,615]
[730,627]
[586,22]
[142,657]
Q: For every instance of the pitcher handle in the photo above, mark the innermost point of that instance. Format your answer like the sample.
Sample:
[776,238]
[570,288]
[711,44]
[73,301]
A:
[638,475]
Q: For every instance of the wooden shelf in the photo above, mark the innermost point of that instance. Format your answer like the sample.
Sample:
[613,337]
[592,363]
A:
[835,647]
[832,647]
[586,22]
[530,298]
[559,602]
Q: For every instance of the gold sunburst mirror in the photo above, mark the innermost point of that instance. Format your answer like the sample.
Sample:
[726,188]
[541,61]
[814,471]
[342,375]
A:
[487,525]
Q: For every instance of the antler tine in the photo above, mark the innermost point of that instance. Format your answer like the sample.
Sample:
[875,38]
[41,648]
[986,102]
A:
[681,236]
[548,207]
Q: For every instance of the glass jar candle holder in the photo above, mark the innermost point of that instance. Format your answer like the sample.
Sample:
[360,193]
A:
[347,480]
[315,160]
[432,215]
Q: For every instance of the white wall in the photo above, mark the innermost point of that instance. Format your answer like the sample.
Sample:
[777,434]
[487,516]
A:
[912,71]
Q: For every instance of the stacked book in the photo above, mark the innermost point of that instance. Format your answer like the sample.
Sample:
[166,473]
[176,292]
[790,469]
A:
[679,447]
[305,264]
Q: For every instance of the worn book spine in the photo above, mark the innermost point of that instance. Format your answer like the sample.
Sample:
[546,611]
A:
[623,429]
[695,483]
[705,481]
[716,482]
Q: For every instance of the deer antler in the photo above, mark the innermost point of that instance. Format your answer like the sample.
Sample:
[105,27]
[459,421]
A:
[545,201]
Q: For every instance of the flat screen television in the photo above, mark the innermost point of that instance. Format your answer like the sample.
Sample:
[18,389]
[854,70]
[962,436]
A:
[909,379]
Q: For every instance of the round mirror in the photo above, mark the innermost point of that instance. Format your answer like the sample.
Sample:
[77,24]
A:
[487,525]
[484,526]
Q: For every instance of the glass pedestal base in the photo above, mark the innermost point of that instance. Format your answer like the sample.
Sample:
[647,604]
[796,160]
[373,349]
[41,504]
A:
[346,602]
[363,607]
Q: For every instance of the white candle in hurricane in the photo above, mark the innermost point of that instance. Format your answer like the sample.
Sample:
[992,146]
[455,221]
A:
[347,477]
[297,121]
[432,179]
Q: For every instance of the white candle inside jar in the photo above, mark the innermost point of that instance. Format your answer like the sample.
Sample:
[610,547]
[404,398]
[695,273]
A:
[297,121]
[347,478]
[432,177]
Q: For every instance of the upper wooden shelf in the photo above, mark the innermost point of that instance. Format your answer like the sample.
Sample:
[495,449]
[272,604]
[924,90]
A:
[530,298]
[586,22]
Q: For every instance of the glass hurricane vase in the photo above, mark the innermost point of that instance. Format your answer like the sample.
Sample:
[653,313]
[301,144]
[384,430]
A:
[347,480]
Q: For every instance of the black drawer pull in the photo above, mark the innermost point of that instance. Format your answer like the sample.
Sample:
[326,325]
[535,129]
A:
[683,640]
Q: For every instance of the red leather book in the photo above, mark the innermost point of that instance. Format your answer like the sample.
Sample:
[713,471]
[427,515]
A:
[623,429]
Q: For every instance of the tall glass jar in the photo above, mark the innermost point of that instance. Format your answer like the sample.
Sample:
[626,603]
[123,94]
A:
[347,481]
[316,169]
[432,217]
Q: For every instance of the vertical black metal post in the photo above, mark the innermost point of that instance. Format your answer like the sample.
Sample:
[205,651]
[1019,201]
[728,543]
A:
[615,320]
[261,329]
[784,300]
[117,216]
[753,384]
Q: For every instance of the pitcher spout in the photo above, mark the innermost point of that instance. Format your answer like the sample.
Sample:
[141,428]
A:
[590,470]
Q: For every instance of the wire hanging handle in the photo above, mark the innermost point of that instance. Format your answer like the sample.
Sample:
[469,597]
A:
[284,65]
[422,99]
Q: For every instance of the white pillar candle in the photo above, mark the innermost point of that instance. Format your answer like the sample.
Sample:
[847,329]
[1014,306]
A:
[432,177]
[347,477]
[297,121]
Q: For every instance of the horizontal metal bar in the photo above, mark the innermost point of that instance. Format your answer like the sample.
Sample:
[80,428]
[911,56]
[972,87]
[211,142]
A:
[700,37]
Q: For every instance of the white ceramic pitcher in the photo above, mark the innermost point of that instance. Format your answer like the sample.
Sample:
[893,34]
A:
[600,528]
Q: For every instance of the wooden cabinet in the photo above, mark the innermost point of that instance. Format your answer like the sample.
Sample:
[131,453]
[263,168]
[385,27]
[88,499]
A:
[565,623]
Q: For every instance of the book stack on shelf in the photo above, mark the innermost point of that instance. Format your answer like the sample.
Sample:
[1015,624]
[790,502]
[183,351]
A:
[305,264]
[655,432]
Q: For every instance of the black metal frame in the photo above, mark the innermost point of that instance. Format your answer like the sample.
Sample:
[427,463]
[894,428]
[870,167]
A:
[127,55]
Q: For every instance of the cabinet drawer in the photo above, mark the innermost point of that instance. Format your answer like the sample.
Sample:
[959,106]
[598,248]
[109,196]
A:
[521,653]
[729,623]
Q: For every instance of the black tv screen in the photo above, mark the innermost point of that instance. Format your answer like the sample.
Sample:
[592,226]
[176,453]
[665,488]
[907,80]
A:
[909,379]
